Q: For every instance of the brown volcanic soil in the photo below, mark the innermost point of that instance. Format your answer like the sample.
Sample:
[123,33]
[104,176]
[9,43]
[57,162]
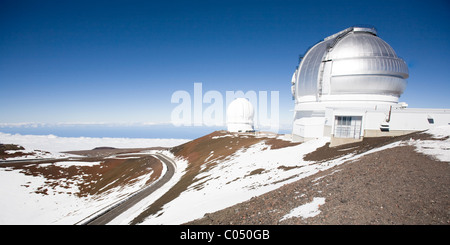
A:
[394,186]
[11,147]
[91,180]
[203,152]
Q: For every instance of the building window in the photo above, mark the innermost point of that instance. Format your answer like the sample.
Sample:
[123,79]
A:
[347,127]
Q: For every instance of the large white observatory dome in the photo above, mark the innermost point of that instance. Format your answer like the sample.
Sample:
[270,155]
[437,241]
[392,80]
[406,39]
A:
[240,116]
[351,65]
[342,77]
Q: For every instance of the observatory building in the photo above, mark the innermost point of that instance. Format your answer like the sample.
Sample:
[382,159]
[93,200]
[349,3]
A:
[348,86]
[240,116]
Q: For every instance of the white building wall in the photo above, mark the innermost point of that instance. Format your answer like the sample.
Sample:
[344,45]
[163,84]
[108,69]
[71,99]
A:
[309,127]
[374,119]
[395,121]
[418,119]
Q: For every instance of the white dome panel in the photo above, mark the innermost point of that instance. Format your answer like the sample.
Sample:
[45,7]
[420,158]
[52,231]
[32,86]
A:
[369,66]
[368,85]
[359,44]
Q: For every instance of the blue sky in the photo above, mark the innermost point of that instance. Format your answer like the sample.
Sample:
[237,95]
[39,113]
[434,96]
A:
[121,61]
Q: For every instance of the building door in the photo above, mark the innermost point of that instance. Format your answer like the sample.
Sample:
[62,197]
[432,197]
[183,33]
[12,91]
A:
[347,127]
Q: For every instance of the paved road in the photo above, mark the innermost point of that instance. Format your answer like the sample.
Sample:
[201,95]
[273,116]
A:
[111,213]
[37,160]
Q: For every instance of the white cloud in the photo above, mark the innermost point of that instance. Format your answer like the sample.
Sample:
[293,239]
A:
[59,124]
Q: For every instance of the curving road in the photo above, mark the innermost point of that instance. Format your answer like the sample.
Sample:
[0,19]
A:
[114,211]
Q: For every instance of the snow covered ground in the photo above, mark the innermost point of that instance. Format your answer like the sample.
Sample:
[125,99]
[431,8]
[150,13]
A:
[19,204]
[439,149]
[259,169]
[236,178]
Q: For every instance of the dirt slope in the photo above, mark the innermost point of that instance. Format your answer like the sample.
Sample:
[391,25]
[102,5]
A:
[199,154]
[91,180]
[394,186]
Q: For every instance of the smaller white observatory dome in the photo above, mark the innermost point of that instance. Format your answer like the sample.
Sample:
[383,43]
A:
[240,116]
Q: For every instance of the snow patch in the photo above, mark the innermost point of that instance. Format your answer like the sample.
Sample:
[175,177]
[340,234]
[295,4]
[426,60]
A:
[438,148]
[439,132]
[222,136]
[66,164]
[307,210]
